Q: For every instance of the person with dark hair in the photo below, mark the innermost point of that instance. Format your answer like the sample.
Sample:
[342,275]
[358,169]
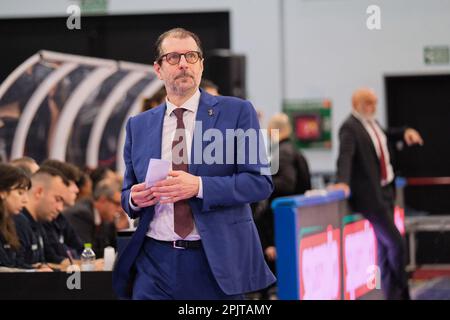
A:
[62,241]
[85,186]
[45,202]
[14,184]
[72,174]
[196,237]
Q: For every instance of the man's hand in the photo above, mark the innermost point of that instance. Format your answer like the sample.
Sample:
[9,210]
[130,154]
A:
[41,267]
[271,253]
[183,185]
[121,221]
[62,266]
[412,137]
[340,186]
[99,264]
[143,197]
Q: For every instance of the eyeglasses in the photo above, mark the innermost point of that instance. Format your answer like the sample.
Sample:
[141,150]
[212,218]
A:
[173,58]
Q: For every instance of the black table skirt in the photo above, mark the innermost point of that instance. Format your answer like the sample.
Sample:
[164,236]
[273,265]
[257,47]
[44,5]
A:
[54,285]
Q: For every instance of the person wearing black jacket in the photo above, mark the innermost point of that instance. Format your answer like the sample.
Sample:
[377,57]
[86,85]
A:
[292,178]
[61,241]
[364,168]
[45,201]
[93,219]
[32,237]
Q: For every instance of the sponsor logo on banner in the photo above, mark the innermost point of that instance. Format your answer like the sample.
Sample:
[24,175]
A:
[360,257]
[319,266]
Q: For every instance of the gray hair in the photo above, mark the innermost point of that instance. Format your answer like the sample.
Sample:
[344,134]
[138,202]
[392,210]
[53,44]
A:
[106,188]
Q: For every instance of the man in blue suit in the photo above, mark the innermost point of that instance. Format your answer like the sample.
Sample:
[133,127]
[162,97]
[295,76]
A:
[196,237]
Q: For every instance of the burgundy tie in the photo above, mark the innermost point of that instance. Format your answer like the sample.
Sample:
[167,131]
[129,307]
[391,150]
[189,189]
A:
[383,168]
[183,221]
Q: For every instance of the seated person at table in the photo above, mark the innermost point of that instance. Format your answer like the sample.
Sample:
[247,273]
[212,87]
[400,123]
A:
[45,201]
[61,239]
[14,184]
[93,219]
[105,173]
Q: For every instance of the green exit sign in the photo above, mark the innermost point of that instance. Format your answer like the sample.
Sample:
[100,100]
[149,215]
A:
[436,55]
[94,6]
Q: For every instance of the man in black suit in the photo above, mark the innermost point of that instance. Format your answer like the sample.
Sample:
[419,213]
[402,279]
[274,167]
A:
[364,167]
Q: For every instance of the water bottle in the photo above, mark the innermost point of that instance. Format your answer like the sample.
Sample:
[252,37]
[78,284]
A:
[88,258]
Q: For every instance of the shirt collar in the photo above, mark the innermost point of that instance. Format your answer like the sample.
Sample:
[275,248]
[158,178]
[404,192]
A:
[191,104]
[97,218]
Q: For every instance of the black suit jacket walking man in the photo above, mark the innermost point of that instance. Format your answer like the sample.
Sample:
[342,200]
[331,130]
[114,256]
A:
[364,169]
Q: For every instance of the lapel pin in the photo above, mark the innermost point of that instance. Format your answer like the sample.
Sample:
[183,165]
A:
[210,112]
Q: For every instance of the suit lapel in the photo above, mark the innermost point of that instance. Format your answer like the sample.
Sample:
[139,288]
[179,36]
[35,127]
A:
[207,114]
[367,137]
[155,125]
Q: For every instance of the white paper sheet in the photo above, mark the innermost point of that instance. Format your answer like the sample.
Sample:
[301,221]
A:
[157,170]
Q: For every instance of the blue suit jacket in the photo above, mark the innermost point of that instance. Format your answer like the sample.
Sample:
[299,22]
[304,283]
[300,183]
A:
[223,217]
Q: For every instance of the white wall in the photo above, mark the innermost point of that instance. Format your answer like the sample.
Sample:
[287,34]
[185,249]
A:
[327,49]
[254,24]
[330,52]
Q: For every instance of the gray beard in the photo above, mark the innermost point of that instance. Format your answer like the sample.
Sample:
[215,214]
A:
[179,91]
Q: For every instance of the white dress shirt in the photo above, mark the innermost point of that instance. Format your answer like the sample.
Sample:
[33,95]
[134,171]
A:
[383,140]
[97,218]
[162,225]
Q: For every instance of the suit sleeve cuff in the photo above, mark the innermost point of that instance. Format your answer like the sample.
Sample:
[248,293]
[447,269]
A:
[132,206]
[200,188]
